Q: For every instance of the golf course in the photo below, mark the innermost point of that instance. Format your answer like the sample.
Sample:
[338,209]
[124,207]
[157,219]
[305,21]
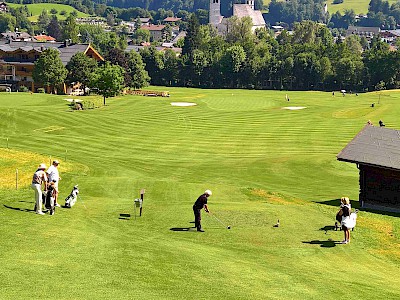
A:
[264,159]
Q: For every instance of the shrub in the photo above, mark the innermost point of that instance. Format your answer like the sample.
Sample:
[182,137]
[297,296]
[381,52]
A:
[53,11]
[41,90]
[23,89]
[86,104]
[63,12]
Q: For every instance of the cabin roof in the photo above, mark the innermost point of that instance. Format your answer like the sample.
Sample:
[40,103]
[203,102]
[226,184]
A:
[376,146]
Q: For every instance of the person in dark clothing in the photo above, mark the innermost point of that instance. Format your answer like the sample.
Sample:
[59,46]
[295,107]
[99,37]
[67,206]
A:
[197,207]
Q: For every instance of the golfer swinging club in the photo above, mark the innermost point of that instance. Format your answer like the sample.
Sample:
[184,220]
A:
[197,206]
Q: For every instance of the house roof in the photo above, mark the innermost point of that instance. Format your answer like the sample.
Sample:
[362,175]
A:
[245,10]
[66,52]
[16,35]
[172,19]
[377,146]
[43,37]
[153,27]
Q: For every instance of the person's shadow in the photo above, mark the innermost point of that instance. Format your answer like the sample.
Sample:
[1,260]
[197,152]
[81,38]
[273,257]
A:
[18,209]
[181,229]
[324,244]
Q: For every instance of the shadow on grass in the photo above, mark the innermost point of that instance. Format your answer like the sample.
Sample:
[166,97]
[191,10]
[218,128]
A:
[18,209]
[327,228]
[355,204]
[324,244]
[181,229]
[124,216]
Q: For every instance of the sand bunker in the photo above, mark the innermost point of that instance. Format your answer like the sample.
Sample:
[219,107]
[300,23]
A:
[183,104]
[294,107]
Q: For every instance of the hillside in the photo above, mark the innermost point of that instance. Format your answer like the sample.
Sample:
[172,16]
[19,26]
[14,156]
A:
[359,6]
[36,9]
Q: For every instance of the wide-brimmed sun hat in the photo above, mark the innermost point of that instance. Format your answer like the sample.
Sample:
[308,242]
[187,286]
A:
[42,166]
[56,162]
[208,192]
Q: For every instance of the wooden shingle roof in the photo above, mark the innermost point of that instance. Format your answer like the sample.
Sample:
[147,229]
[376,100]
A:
[376,146]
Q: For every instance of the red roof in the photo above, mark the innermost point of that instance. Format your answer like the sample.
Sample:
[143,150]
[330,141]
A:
[153,27]
[172,19]
[43,37]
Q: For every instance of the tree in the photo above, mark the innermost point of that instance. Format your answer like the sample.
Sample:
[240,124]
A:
[71,30]
[118,57]
[54,29]
[43,20]
[192,38]
[142,35]
[139,76]
[49,69]
[7,22]
[80,68]
[108,80]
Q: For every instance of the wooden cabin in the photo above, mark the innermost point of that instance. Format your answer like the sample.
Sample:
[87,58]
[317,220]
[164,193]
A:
[376,152]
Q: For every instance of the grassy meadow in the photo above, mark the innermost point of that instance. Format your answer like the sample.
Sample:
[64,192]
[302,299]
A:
[37,8]
[262,162]
[359,6]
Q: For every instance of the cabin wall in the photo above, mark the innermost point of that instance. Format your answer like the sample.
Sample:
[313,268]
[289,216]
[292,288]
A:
[379,188]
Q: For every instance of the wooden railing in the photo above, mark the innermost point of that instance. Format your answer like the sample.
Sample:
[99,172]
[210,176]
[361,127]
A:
[147,93]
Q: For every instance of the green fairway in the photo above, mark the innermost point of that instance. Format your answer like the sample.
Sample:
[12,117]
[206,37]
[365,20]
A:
[37,8]
[262,163]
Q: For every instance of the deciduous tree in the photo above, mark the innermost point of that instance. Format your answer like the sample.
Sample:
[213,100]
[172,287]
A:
[49,70]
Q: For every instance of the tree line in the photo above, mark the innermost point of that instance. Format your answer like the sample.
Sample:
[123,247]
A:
[120,70]
[308,59]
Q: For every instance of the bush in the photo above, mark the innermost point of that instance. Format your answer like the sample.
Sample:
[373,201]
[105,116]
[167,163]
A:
[23,89]
[337,1]
[41,90]
[63,12]
[86,104]
[53,11]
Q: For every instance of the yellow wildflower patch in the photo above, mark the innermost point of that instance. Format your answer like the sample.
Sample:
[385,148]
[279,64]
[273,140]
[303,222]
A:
[25,164]
[274,198]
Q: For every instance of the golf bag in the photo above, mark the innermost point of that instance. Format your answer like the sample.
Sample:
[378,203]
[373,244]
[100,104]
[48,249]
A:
[72,197]
[49,199]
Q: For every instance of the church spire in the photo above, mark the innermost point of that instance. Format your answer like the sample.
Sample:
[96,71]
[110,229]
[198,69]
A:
[215,12]
[251,3]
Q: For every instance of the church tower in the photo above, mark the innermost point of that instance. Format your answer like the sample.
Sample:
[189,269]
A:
[251,3]
[215,12]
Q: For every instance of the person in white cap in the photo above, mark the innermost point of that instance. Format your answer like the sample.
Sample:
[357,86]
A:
[39,178]
[54,176]
[200,203]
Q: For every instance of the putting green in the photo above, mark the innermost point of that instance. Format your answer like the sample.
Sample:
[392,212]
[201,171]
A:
[262,163]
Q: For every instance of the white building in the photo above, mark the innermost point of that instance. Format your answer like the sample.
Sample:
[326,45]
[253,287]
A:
[239,10]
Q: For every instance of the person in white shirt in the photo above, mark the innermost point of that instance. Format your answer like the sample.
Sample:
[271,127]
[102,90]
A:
[54,176]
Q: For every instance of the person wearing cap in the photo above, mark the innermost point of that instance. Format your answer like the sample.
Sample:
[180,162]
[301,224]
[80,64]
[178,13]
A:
[39,178]
[54,176]
[200,203]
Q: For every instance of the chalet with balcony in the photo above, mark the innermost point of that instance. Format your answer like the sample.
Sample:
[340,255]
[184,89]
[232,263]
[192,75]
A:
[17,60]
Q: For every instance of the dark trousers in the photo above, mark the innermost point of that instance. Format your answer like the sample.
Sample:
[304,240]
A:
[197,217]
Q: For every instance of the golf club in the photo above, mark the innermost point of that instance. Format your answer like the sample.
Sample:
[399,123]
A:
[227,227]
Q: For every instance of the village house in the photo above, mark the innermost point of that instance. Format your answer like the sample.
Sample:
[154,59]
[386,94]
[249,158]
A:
[156,31]
[17,60]
[16,36]
[376,152]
